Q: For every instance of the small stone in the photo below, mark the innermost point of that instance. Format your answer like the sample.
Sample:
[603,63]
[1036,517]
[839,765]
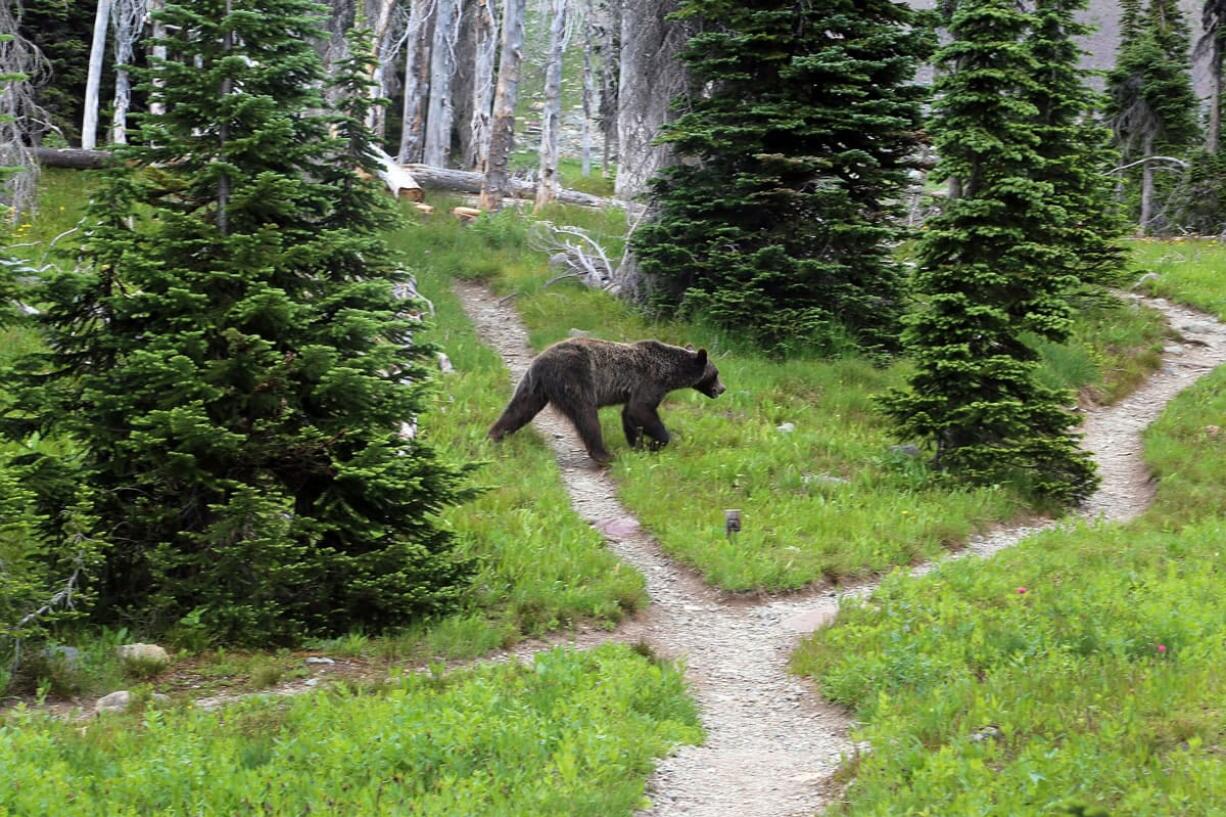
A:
[579,333]
[785,428]
[810,621]
[1174,349]
[618,526]
[444,364]
[1213,432]
[148,653]
[1196,327]
[69,656]
[115,702]
[905,450]
[986,733]
[310,682]
[822,479]
[319,659]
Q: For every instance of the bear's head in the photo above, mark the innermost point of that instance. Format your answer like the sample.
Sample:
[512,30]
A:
[708,382]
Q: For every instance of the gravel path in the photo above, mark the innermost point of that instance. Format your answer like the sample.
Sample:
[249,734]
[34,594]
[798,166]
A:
[772,745]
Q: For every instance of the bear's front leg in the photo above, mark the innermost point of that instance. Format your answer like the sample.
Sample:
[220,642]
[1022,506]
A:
[647,417]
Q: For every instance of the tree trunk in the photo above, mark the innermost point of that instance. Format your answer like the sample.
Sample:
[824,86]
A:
[610,68]
[652,77]
[502,132]
[416,81]
[589,91]
[97,55]
[1213,134]
[71,158]
[486,33]
[1147,187]
[551,115]
[441,112]
[468,181]
[156,106]
[127,19]
[376,118]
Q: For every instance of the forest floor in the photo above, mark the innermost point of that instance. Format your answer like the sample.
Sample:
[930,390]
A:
[772,746]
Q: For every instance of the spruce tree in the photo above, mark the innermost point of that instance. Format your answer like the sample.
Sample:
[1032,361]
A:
[234,359]
[993,266]
[793,159]
[1075,149]
[1152,106]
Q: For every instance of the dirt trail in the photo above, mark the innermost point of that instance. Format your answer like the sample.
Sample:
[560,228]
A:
[771,743]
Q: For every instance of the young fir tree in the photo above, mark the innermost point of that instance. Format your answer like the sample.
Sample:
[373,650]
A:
[234,359]
[993,265]
[1075,149]
[776,221]
[1152,106]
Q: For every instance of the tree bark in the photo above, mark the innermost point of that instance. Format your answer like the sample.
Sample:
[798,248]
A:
[156,106]
[441,114]
[416,81]
[1147,187]
[376,118]
[502,133]
[335,47]
[127,19]
[551,115]
[610,68]
[589,91]
[93,81]
[486,33]
[652,77]
[1213,134]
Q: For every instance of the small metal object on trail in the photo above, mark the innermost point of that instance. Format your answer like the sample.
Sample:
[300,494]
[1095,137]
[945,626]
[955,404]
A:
[732,522]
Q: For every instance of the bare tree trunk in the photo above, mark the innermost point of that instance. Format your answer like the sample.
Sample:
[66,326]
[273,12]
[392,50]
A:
[610,68]
[156,106]
[1213,134]
[93,81]
[441,113]
[1147,187]
[22,121]
[416,81]
[334,49]
[589,91]
[223,136]
[380,44]
[483,82]
[652,77]
[502,132]
[551,116]
[127,18]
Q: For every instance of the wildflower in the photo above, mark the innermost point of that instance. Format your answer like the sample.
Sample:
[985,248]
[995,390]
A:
[1021,591]
[1161,649]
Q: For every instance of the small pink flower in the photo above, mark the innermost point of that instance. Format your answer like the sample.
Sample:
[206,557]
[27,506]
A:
[1161,649]
[1021,591]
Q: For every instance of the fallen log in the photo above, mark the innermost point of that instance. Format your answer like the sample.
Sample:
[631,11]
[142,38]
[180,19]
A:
[466,181]
[399,180]
[72,158]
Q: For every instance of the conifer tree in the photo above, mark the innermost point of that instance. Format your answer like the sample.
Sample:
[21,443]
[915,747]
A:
[234,359]
[1152,105]
[1075,149]
[992,266]
[776,220]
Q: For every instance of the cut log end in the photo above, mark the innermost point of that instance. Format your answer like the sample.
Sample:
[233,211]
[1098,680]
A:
[424,209]
[466,214]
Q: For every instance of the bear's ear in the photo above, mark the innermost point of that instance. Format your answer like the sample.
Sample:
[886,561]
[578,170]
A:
[702,356]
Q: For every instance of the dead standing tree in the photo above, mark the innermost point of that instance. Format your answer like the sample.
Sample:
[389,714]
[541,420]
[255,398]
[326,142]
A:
[551,116]
[502,132]
[416,80]
[441,112]
[127,20]
[93,79]
[486,49]
[21,120]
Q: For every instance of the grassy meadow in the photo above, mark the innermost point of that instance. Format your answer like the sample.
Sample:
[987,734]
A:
[827,500]
[572,734]
[1189,271]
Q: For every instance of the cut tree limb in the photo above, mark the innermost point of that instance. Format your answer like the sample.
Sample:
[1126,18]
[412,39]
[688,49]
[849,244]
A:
[463,181]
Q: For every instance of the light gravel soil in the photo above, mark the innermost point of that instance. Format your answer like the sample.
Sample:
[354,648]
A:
[772,745]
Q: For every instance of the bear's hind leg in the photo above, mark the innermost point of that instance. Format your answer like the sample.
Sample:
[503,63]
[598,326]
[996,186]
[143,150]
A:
[634,431]
[525,405]
[587,422]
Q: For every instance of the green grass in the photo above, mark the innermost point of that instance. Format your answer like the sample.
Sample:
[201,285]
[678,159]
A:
[1189,271]
[1094,653]
[573,734]
[829,500]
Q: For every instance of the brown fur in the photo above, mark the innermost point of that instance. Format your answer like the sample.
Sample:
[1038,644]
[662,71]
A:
[582,375]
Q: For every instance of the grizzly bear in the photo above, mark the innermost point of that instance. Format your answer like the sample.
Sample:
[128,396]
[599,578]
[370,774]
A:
[582,375]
